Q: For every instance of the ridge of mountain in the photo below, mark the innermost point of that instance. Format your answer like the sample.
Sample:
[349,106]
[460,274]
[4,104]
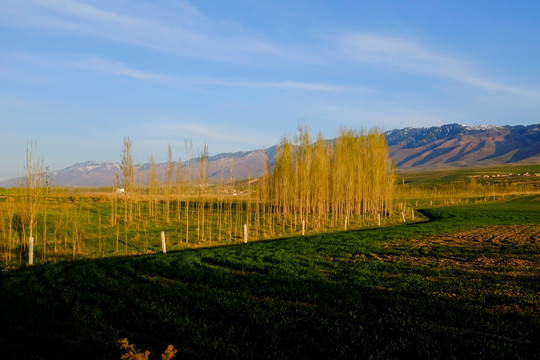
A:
[454,146]
[412,149]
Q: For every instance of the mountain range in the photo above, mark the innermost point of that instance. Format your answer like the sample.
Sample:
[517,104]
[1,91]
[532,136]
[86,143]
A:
[412,149]
[452,146]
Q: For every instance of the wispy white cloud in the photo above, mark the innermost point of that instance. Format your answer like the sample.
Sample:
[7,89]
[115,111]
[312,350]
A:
[181,30]
[408,55]
[284,85]
[185,31]
[118,68]
[377,49]
[497,86]
[85,11]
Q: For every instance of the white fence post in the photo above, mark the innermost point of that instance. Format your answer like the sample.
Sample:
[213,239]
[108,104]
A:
[163,244]
[346,220]
[379,219]
[245,234]
[31,250]
[303,227]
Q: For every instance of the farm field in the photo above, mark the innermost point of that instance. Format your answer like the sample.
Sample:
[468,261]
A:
[462,281]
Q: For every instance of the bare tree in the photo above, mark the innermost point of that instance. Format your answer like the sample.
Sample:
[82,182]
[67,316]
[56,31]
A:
[153,185]
[127,164]
[353,179]
[32,189]
[170,174]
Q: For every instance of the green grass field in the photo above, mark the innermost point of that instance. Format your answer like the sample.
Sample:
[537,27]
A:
[453,176]
[464,284]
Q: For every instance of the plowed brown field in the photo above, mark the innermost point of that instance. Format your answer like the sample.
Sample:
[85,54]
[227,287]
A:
[509,252]
[521,242]
[513,235]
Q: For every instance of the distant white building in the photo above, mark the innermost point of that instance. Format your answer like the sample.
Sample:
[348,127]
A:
[120,191]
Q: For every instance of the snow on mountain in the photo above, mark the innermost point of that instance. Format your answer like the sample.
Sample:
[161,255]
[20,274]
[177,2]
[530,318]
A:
[482,127]
[88,166]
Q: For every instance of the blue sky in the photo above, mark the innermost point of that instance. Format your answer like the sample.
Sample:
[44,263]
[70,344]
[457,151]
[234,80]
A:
[77,76]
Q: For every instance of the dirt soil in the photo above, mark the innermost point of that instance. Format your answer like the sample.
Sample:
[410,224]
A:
[522,257]
[510,252]
[514,235]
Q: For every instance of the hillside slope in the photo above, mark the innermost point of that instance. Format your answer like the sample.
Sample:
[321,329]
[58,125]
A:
[463,146]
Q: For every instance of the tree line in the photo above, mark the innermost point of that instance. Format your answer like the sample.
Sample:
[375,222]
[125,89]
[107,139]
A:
[312,185]
[328,183]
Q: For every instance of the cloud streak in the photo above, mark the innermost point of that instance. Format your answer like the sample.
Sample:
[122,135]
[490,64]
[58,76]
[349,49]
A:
[120,69]
[182,31]
[185,31]
[376,49]
[407,55]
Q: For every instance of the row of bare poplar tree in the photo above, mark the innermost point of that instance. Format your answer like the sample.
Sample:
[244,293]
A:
[330,183]
[312,184]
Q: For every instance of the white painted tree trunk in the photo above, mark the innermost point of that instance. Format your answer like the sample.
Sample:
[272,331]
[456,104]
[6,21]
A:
[379,219]
[346,220]
[303,227]
[31,250]
[163,244]
[245,234]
